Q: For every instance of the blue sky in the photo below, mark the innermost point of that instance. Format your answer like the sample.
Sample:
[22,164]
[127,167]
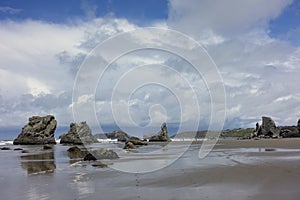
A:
[57,11]
[137,11]
[256,48]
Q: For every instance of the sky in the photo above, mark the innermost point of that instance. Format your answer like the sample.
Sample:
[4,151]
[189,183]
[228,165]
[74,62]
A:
[255,45]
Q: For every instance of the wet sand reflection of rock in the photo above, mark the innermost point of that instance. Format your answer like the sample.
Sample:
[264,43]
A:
[37,163]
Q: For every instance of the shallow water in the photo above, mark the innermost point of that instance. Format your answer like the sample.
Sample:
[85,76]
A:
[52,174]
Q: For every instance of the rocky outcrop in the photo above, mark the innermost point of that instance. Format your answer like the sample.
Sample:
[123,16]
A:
[39,130]
[120,135]
[268,127]
[289,131]
[162,137]
[78,134]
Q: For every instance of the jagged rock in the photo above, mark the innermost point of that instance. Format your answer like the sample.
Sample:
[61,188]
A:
[129,145]
[268,127]
[162,137]
[78,134]
[39,130]
[258,131]
[101,154]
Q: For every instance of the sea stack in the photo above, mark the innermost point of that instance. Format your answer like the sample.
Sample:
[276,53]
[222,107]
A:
[39,130]
[163,136]
[78,134]
[268,127]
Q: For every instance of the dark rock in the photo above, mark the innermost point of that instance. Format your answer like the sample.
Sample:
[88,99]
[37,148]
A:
[76,152]
[268,127]
[5,148]
[24,151]
[78,134]
[163,136]
[47,147]
[18,149]
[120,135]
[101,154]
[39,130]
[89,157]
[136,141]
[258,131]
[289,131]
[129,145]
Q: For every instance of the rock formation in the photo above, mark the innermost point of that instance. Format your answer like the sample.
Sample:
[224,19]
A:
[162,137]
[268,127]
[78,134]
[132,142]
[120,135]
[39,130]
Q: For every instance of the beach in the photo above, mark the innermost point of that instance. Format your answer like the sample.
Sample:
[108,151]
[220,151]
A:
[234,169]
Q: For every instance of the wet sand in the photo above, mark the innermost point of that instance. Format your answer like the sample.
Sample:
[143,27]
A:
[235,169]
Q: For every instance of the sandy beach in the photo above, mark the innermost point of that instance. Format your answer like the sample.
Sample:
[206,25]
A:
[235,169]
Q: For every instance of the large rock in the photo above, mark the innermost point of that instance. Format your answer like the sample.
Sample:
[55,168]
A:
[268,127]
[78,134]
[289,131]
[120,135]
[39,130]
[162,137]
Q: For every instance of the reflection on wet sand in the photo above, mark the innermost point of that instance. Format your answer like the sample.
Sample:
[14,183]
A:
[37,163]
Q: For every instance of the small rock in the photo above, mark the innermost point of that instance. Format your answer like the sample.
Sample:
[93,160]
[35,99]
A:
[24,151]
[18,149]
[5,148]
[46,147]
[76,152]
[101,154]
[129,145]
[89,157]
